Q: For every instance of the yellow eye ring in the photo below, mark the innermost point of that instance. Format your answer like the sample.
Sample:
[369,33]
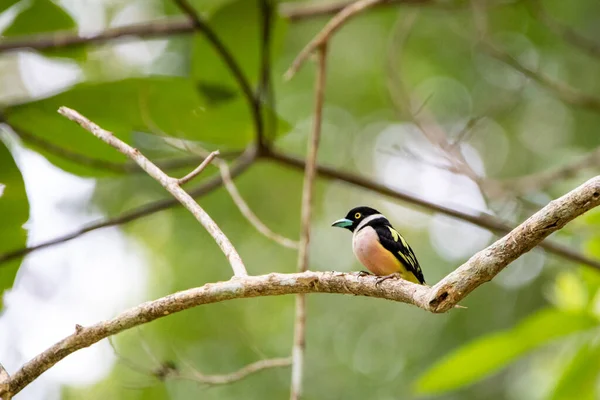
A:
[357,215]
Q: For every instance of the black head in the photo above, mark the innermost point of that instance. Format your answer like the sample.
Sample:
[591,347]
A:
[355,217]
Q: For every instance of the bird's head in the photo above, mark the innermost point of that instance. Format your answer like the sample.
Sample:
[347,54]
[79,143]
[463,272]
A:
[355,217]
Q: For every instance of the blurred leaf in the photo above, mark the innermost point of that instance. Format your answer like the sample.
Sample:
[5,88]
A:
[14,212]
[6,4]
[170,106]
[238,25]
[578,380]
[569,292]
[44,16]
[488,354]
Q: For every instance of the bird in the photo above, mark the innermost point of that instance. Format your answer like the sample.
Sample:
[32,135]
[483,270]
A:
[380,247]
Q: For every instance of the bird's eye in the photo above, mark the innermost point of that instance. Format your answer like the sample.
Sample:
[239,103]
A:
[357,215]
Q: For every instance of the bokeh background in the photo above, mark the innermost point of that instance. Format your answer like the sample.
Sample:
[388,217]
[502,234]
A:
[532,333]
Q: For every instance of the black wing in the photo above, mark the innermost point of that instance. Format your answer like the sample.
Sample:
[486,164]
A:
[393,241]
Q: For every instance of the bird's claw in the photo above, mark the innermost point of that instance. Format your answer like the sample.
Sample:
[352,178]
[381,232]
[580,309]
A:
[362,273]
[379,280]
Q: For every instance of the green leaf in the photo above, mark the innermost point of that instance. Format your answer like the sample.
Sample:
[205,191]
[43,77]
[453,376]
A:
[578,380]
[160,105]
[490,353]
[6,4]
[44,16]
[14,212]
[569,292]
[239,26]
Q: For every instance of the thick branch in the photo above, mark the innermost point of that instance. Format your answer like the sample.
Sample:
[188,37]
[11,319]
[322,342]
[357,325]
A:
[170,184]
[486,264]
[250,286]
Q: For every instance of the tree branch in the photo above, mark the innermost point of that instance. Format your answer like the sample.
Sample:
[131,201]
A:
[567,33]
[247,212]
[170,184]
[480,268]
[244,162]
[564,92]
[295,12]
[310,172]
[474,217]
[238,375]
[199,168]
[61,39]
[238,288]
[325,34]
[486,264]
[541,180]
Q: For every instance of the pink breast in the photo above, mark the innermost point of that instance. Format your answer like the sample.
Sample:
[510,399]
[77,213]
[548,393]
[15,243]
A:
[372,254]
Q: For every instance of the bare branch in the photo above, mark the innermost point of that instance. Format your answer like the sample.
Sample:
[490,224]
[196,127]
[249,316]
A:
[238,375]
[541,180]
[4,382]
[479,269]
[170,184]
[567,33]
[486,264]
[310,172]
[198,169]
[244,287]
[63,39]
[247,212]
[300,11]
[244,162]
[332,26]
[476,218]
[564,92]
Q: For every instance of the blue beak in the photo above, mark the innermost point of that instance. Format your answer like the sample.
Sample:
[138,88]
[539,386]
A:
[342,223]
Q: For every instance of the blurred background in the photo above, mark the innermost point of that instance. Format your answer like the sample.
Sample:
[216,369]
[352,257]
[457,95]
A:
[486,107]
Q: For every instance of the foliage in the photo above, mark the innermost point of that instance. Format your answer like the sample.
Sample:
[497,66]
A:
[167,95]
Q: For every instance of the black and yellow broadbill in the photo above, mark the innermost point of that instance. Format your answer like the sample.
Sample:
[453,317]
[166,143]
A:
[379,247]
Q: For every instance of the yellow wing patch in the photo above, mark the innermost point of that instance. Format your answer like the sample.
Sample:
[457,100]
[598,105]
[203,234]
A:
[408,257]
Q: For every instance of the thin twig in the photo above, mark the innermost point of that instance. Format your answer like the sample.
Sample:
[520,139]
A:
[229,60]
[310,172]
[299,11]
[170,184]
[541,180]
[243,163]
[248,213]
[325,34]
[236,376]
[442,297]
[564,92]
[567,33]
[198,169]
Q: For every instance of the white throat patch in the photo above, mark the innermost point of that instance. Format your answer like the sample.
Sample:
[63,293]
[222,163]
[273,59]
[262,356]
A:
[367,220]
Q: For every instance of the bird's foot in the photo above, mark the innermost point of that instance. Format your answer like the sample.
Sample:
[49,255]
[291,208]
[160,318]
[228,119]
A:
[395,275]
[362,273]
